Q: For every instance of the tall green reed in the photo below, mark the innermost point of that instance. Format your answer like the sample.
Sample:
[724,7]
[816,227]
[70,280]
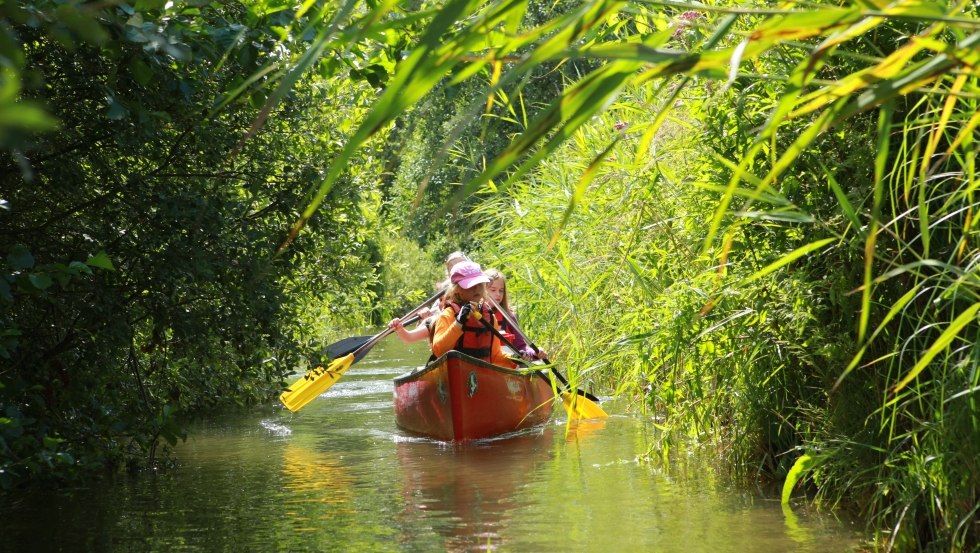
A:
[823,300]
[794,273]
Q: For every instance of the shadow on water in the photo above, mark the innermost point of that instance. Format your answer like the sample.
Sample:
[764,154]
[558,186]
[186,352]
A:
[339,476]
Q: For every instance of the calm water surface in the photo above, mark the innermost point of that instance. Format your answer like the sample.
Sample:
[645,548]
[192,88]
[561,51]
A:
[339,476]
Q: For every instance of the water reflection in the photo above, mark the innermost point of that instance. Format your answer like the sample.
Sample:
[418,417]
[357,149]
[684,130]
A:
[340,476]
[577,430]
[473,487]
[317,488]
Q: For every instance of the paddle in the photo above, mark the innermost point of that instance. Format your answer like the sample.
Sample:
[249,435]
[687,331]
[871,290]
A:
[346,352]
[577,403]
[341,348]
[348,345]
[588,407]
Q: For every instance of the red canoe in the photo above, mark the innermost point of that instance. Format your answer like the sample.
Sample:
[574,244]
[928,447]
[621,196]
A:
[459,398]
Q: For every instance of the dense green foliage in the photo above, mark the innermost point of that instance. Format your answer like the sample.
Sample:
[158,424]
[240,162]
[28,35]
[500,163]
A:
[139,282]
[772,289]
[759,223]
[449,136]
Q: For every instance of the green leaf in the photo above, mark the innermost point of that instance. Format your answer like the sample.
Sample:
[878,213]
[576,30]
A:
[20,257]
[787,216]
[141,72]
[100,260]
[27,116]
[147,5]
[587,177]
[789,258]
[82,23]
[896,308]
[117,111]
[41,281]
[940,345]
[77,267]
[803,464]
[845,204]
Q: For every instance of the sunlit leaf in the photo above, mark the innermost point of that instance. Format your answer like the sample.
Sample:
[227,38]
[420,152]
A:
[100,260]
[789,258]
[940,345]
[28,116]
[796,472]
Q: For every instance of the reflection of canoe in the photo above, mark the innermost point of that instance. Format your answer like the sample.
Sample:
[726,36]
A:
[458,398]
[470,493]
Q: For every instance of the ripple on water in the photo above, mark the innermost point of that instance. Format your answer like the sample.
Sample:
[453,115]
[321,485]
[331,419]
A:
[357,388]
[275,428]
[400,369]
[368,406]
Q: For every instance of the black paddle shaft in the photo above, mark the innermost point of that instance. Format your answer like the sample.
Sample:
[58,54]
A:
[560,376]
[541,374]
[343,347]
[504,339]
[355,343]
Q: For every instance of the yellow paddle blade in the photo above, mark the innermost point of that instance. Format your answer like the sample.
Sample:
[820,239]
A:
[581,407]
[314,383]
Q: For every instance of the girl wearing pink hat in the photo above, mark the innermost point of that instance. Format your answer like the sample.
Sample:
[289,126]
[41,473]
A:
[424,328]
[459,327]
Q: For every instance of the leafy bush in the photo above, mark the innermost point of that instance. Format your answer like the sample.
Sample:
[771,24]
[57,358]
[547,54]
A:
[142,284]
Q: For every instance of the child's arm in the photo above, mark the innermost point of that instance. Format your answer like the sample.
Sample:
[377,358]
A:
[519,342]
[408,336]
[522,346]
[447,333]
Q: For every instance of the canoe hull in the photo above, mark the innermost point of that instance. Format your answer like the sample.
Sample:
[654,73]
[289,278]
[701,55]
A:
[459,398]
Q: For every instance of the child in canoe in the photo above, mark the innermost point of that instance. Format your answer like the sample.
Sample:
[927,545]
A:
[497,289]
[451,261]
[462,325]
[427,316]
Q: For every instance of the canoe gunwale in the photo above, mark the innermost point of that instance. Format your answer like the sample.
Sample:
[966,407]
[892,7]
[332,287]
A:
[453,354]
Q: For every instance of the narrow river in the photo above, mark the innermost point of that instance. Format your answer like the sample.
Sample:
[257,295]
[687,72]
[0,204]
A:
[339,476]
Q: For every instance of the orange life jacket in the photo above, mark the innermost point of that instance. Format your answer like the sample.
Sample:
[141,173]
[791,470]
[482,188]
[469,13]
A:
[477,339]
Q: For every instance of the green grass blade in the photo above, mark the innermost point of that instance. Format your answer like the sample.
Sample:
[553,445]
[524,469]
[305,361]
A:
[940,345]
[896,308]
[789,258]
[803,464]
[583,184]
[845,204]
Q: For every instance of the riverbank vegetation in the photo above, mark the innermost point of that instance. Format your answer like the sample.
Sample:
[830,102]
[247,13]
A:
[757,223]
[151,169]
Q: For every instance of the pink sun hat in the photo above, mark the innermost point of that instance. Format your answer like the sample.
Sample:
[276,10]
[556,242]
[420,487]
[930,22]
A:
[467,274]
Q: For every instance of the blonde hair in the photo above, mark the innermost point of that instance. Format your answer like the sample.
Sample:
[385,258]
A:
[452,295]
[494,274]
